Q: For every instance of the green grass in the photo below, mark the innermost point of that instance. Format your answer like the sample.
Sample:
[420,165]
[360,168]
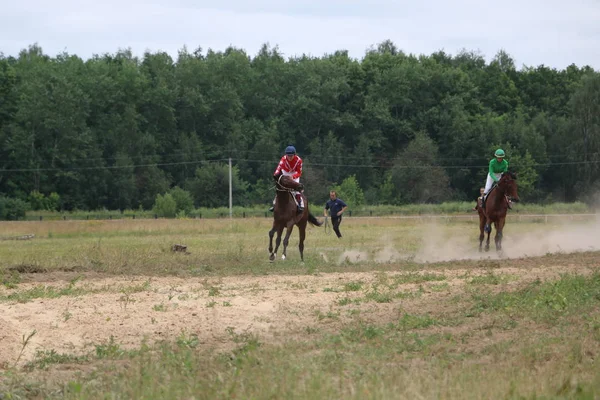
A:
[43,291]
[238,247]
[418,278]
[43,359]
[353,286]
[46,292]
[545,301]
[401,329]
[260,211]
[490,279]
[402,359]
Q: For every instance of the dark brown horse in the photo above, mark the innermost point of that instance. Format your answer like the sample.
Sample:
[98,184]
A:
[285,215]
[495,209]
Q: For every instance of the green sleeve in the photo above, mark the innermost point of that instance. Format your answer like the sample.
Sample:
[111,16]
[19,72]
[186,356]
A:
[506,166]
[491,170]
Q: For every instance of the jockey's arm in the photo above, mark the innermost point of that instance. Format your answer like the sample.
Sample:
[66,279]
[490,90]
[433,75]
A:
[298,172]
[491,170]
[278,170]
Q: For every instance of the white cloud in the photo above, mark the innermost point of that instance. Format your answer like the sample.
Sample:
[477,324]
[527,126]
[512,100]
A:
[554,33]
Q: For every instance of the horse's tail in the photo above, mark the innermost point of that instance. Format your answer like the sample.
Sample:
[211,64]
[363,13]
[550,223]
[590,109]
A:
[313,220]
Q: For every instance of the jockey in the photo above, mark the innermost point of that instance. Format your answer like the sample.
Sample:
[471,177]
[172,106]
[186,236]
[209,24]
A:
[290,165]
[498,166]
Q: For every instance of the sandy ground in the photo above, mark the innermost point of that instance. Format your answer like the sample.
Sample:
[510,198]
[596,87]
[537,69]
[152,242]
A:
[134,309]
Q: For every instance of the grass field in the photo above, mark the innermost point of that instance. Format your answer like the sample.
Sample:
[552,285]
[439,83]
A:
[259,211]
[395,309]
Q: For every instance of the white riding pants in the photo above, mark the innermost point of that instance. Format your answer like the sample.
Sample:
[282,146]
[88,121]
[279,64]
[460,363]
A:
[489,182]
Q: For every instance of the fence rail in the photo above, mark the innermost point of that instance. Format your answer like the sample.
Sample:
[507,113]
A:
[350,214]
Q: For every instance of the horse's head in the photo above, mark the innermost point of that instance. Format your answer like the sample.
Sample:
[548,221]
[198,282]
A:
[508,185]
[286,182]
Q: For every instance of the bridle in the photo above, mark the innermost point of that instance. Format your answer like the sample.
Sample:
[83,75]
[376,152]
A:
[280,188]
[502,186]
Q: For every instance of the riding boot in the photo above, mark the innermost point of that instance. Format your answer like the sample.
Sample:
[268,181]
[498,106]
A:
[273,206]
[300,203]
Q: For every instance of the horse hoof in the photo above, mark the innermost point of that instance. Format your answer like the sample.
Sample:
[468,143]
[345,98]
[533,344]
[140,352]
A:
[272,257]
[283,256]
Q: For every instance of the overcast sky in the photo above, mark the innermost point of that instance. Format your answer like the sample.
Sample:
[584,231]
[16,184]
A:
[555,33]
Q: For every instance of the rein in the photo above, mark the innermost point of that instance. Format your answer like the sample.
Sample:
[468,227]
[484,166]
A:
[280,188]
[327,226]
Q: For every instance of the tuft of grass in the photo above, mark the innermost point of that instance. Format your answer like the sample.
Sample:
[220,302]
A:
[544,301]
[347,300]
[441,287]
[110,349]
[49,292]
[43,359]
[379,297]
[10,279]
[24,343]
[490,279]
[353,286]
[188,341]
[410,322]
[418,278]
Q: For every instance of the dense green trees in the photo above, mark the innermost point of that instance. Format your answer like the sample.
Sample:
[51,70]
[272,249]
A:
[115,131]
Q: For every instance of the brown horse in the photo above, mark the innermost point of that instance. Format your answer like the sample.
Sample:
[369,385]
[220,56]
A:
[285,215]
[495,209]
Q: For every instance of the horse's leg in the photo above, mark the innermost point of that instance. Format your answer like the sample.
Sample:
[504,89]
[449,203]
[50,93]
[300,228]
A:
[499,228]
[271,234]
[481,234]
[279,230]
[302,230]
[488,229]
[286,239]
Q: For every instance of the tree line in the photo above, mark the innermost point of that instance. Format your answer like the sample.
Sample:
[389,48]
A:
[115,131]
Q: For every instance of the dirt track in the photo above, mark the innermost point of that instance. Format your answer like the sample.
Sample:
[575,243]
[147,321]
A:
[273,307]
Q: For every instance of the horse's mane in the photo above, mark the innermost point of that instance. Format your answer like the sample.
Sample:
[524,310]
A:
[287,182]
[510,174]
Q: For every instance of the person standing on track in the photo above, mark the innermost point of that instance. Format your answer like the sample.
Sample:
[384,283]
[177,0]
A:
[336,207]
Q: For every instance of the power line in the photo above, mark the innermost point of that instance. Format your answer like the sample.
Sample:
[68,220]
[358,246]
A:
[308,157]
[112,166]
[115,167]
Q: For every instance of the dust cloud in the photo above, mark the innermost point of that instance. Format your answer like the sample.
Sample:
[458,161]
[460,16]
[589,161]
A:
[437,244]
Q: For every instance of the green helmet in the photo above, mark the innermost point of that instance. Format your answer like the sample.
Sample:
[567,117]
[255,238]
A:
[499,153]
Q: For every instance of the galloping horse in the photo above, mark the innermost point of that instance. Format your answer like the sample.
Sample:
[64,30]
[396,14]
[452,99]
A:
[496,206]
[285,215]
